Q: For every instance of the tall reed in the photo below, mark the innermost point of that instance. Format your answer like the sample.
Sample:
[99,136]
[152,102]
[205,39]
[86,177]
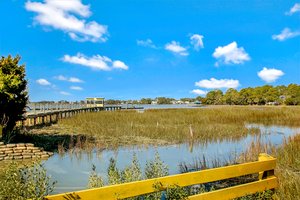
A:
[178,125]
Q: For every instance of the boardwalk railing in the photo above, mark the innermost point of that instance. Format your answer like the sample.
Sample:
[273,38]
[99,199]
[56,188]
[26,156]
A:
[52,116]
[264,167]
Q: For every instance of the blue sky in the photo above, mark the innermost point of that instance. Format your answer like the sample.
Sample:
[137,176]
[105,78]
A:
[132,49]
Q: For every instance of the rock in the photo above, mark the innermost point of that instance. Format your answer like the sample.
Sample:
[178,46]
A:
[27,156]
[50,153]
[20,148]
[1,143]
[20,145]
[29,145]
[8,151]
[18,157]
[35,156]
[32,148]
[17,151]
[11,145]
[15,154]
[45,156]
[8,158]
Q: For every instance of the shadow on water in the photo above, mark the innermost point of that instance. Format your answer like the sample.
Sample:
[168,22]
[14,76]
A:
[54,142]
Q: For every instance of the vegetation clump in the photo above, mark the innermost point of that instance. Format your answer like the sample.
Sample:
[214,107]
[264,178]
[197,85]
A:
[26,182]
[13,95]
[154,169]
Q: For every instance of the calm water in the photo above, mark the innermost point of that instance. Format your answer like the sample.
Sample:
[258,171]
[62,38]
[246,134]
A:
[162,106]
[72,170]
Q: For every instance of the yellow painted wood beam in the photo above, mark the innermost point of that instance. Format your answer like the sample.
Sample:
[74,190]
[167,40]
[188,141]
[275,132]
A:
[137,188]
[239,190]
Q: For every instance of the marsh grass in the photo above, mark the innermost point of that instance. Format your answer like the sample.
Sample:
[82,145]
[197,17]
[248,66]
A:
[177,125]
[288,165]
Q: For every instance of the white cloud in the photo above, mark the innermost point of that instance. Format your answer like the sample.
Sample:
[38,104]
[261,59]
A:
[96,62]
[146,43]
[43,81]
[70,17]
[294,9]
[119,65]
[75,80]
[64,93]
[69,79]
[76,88]
[230,54]
[285,34]
[270,75]
[197,41]
[199,92]
[217,84]
[176,48]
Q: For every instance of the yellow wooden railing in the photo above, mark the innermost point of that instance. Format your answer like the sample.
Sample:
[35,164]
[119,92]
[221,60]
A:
[264,167]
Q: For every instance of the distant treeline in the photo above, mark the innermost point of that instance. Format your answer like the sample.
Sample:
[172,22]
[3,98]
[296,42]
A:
[288,95]
[267,94]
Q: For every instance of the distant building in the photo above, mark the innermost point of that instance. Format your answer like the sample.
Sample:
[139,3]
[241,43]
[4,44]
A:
[153,102]
[94,102]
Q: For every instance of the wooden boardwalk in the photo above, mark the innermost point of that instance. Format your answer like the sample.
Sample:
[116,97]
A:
[49,116]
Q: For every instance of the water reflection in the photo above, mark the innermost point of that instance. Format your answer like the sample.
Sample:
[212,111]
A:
[72,169]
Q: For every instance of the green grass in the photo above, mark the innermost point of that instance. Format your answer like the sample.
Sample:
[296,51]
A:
[176,125]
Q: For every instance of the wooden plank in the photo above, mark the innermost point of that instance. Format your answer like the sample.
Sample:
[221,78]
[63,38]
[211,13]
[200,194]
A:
[239,190]
[146,186]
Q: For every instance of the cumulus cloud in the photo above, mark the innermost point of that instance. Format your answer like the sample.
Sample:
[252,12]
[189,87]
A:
[285,34]
[217,84]
[146,43]
[199,92]
[43,81]
[95,62]
[69,79]
[270,75]
[176,48]
[64,93]
[119,65]
[197,41]
[76,88]
[230,54]
[70,17]
[294,9]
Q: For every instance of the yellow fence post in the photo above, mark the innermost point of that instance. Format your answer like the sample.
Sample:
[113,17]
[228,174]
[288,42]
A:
[265,174]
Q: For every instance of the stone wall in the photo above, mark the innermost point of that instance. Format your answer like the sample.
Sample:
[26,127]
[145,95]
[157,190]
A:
[22,151]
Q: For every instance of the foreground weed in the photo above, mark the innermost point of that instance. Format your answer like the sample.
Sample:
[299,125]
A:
[27,182]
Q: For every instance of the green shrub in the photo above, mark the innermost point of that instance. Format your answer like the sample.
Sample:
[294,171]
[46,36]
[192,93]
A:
[27,182]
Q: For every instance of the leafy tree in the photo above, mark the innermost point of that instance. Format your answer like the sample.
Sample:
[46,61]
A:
[293,94]
[112,102]
[146,101]
[231,96]
[190,100]
[164,100]
[13,94]
[214,97]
